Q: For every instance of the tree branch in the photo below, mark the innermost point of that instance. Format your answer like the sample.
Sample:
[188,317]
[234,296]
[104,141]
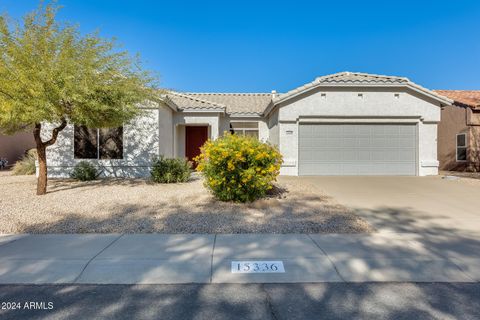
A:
[7,95]
[55,132]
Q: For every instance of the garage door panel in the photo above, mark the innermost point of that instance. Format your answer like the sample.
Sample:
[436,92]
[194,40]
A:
[381,142]
[357,149]
[363,142]
[405,142]
[348,155]
[349,142]
[362,130]
[406,130]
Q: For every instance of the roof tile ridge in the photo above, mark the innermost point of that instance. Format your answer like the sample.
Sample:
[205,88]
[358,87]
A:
[375,75]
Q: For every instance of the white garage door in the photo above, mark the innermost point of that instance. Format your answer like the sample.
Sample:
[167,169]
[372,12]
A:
[357,149]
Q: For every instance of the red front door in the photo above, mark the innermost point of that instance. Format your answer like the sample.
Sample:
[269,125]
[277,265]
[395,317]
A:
[195,137]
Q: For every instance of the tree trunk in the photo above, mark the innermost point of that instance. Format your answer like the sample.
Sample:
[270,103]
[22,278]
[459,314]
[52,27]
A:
[42,154]
[42,172]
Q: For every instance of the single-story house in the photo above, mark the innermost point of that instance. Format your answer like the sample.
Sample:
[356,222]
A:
[459,131]
[346,123]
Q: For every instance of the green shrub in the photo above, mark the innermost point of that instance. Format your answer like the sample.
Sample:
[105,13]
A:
[26,165]
[238,168]
[166,170]
[84,171]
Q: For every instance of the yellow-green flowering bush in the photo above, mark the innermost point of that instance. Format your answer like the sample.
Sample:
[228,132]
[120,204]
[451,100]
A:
[238,168]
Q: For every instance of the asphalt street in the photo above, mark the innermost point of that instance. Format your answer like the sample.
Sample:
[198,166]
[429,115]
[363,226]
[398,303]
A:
[243,301]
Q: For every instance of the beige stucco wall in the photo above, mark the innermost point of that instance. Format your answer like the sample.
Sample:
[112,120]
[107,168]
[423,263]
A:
[344,105]
[474,147]
[13,147]
[473,121]
[454,121]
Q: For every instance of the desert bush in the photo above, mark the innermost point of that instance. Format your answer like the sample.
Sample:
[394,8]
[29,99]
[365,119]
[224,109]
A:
[84,171]
[239,168]
[26,165]
[166,170]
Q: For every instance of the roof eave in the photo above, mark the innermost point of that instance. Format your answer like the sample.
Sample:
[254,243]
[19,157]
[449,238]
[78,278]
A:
[169,103]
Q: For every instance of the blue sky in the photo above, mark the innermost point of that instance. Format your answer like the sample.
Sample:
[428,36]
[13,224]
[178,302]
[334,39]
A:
[257,46]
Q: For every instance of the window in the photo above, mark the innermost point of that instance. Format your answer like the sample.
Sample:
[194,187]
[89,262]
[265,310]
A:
[244,128]
[461,147]
[105,143]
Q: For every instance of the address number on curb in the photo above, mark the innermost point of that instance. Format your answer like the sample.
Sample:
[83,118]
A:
[257,267]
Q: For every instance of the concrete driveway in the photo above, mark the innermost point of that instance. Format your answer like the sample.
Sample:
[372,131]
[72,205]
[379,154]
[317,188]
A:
[409,204]
[441,216]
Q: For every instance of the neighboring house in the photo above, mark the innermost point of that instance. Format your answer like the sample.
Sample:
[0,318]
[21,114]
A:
[14,147]
[340,124]
[459,131]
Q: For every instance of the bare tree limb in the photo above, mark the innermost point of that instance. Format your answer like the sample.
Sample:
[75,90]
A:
[55,132]
[53,139]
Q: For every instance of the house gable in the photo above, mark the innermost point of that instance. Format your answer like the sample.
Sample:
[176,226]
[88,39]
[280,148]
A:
[355,80]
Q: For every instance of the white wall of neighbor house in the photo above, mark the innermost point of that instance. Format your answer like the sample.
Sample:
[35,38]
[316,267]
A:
[141,144]
[370,105]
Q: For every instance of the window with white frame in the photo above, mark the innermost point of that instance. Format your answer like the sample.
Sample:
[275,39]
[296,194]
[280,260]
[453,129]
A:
[244,128]
[461,153]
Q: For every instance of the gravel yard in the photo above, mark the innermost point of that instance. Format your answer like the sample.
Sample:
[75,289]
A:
[138,206]
[472,178]
[470,175]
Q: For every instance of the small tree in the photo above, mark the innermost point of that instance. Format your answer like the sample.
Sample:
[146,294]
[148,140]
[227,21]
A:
[50,73]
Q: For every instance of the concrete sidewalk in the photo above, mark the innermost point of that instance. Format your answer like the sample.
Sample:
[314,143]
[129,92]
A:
[175,259]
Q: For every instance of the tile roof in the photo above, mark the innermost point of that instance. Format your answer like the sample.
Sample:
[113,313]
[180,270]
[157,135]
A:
[469,98]
[260,103]
[234,103]
[184,101]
